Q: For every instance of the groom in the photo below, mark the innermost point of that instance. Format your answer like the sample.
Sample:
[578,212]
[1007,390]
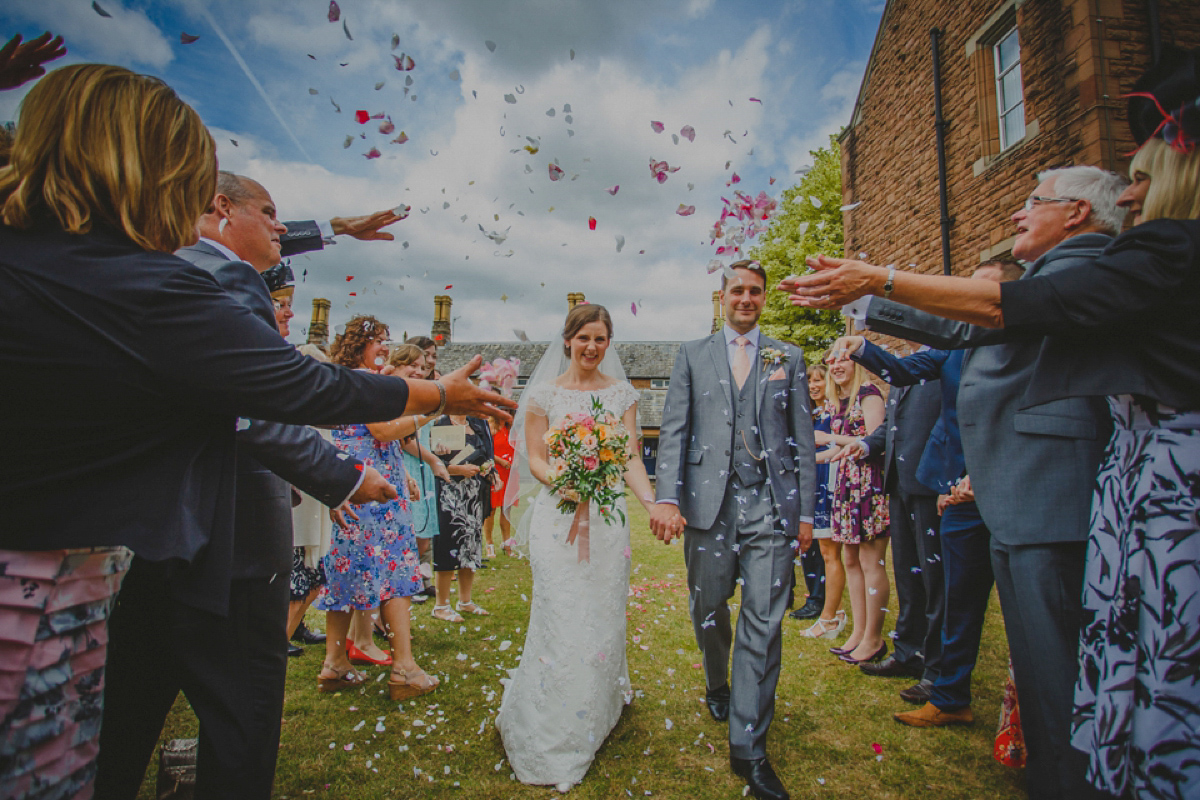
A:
[736,475]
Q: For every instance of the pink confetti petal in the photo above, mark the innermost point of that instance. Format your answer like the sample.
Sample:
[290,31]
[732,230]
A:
[362,116]
[335,12]
[613,190]
[877,747]
[685,211]
[386,126]
[633,308]
[591,223]
[688,132]
[657,127]
[372,153]
[556,172]
[404,63]
[735,179]
[755,100]
[401,139]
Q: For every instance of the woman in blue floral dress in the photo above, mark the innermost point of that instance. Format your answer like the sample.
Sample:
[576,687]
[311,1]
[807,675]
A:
[373,560]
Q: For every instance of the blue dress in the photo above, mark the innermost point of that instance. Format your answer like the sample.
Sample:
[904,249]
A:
[822,523]
[424,511]
[374,558]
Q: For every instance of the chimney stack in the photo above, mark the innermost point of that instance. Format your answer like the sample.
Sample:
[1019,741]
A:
[718,312]
[318,329]
[441,319]
[574,299]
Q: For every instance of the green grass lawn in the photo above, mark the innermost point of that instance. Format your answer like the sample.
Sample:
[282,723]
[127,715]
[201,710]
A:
[360,745]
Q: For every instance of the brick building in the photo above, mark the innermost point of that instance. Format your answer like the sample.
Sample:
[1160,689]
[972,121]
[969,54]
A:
[1024,84]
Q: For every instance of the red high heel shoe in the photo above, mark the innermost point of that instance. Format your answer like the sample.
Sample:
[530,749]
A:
[359,657]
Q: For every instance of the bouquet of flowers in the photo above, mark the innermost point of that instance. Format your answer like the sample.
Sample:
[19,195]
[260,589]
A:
[587,455]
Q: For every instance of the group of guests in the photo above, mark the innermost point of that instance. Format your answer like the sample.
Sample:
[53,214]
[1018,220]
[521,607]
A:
[1075,404]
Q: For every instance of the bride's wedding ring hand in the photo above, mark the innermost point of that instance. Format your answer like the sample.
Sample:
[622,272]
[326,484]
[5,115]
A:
[666,522]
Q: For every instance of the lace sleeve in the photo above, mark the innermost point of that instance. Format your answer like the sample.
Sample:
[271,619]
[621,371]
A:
[539,399]
[624,396]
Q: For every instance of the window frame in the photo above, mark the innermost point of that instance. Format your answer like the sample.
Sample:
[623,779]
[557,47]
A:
[999,74]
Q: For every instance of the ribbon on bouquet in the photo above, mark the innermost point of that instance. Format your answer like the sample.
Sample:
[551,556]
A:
[580,526]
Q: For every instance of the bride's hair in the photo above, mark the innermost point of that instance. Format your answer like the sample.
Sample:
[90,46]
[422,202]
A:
[580,315]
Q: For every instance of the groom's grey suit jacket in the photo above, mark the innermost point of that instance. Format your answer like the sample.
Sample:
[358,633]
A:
[1033,467]
[696,437]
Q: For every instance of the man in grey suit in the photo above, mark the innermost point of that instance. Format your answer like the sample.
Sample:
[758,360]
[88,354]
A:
[736,474]
[1033,468]
[232,669]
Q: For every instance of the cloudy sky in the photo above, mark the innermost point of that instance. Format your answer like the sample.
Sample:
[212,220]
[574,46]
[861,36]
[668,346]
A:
[762,82]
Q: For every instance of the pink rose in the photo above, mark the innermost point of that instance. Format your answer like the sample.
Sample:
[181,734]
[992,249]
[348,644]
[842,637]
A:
[591,462]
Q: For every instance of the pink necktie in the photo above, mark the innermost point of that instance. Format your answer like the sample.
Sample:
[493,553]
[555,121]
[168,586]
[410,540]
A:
[741,361]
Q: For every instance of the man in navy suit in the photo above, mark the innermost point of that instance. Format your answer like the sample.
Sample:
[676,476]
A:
[232,669]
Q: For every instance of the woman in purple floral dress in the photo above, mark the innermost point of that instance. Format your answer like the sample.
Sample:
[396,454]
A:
[373,559]
[860,510]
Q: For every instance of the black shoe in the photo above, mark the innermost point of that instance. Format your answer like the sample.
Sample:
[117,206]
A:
[891,668]
[718,703]
[810,610]
[294,650]
[764,783]
[303,635]
[918,694]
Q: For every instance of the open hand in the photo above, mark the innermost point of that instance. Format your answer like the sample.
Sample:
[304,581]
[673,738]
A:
[20,63]
[464,397]
[368,227]
[833,283]
[845,347]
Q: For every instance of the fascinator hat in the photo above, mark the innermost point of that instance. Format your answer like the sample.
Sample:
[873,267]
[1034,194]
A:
[1165,102]
[280,280]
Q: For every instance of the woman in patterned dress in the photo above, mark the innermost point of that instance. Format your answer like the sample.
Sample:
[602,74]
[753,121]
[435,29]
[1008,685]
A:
[372,561]
[860,510]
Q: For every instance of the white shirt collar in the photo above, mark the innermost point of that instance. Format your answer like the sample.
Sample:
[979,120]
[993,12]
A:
[222,249]
[752,335]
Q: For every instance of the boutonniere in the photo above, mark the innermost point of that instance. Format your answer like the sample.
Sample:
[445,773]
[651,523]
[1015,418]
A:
[772,357]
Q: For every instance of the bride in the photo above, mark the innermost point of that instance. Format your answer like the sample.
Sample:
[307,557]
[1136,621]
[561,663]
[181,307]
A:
[568,692]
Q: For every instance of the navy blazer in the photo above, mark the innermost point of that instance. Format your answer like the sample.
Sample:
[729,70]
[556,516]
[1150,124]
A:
[301,237]
[272,455]
[912,413]
[942,462]
[125,373]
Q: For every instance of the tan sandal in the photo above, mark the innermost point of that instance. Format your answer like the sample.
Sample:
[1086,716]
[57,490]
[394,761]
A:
[445,614]
[472,608]
[348,678]
[414,684]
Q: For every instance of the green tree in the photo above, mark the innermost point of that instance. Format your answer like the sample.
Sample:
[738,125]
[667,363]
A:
[804,228]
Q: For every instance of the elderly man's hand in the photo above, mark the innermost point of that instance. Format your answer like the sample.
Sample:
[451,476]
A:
[374,487]
[464,397]
[833,283]
[23,62]
[368,227]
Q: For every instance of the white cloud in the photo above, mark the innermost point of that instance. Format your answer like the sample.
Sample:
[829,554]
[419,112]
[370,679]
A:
[129,38]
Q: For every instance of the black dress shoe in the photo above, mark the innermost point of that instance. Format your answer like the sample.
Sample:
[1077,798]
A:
[764,783]
[302,635]
[717,701]
[918,694]
[810,610]
[891,668]
[294,650]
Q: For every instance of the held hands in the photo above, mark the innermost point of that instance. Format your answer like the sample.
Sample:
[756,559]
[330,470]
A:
[804,538]
[833,283]
[367,227]
[962,492]
[855,450]
[666,522]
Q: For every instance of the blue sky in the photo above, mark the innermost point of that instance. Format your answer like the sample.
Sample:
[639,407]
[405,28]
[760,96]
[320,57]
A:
[680,62]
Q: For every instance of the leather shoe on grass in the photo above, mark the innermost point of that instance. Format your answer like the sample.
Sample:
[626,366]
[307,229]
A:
[891,668]
[930,716]
[918,694]
[717,701]
[294,650]
[764,783]
[302,635]
[810,610]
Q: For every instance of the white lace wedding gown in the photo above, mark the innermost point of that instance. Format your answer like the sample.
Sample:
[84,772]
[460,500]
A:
[572,682]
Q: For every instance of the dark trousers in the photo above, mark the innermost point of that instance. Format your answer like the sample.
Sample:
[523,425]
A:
[920,587]
[1041,588]
[967,565]
[231,669]
[812,565]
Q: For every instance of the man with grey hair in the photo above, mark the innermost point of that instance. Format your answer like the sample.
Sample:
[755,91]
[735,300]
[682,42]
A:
[1033,467]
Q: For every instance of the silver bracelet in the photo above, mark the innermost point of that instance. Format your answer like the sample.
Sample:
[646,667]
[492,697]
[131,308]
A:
[437,412]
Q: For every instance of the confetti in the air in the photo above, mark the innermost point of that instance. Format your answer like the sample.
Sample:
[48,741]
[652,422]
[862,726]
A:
[404,62]
[556,172]
[591,223]
[685,211]
[362,116]
[661,170]
[688,132]
[395,40]
[401,139]
[633,308]
[620,242]
[372,153]
[850,207]
[96,7]
[657,127]
[449,285]
[510,99]
[816,201]
[454,75]
[613,190]
[755,100]
[386,127]
[313,91]
[187,38]
[490,45]
[335,11]
[520,334]
[349,141]
[346,30]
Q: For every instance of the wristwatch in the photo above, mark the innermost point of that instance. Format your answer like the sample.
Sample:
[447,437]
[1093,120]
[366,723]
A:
[890,284]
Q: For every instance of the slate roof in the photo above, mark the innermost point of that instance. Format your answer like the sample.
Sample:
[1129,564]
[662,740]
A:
[647,360]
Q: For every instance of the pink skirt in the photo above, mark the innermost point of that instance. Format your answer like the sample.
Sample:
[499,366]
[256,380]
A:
[54,608]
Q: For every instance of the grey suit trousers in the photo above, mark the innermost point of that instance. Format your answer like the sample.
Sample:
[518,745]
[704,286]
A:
[741,544]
